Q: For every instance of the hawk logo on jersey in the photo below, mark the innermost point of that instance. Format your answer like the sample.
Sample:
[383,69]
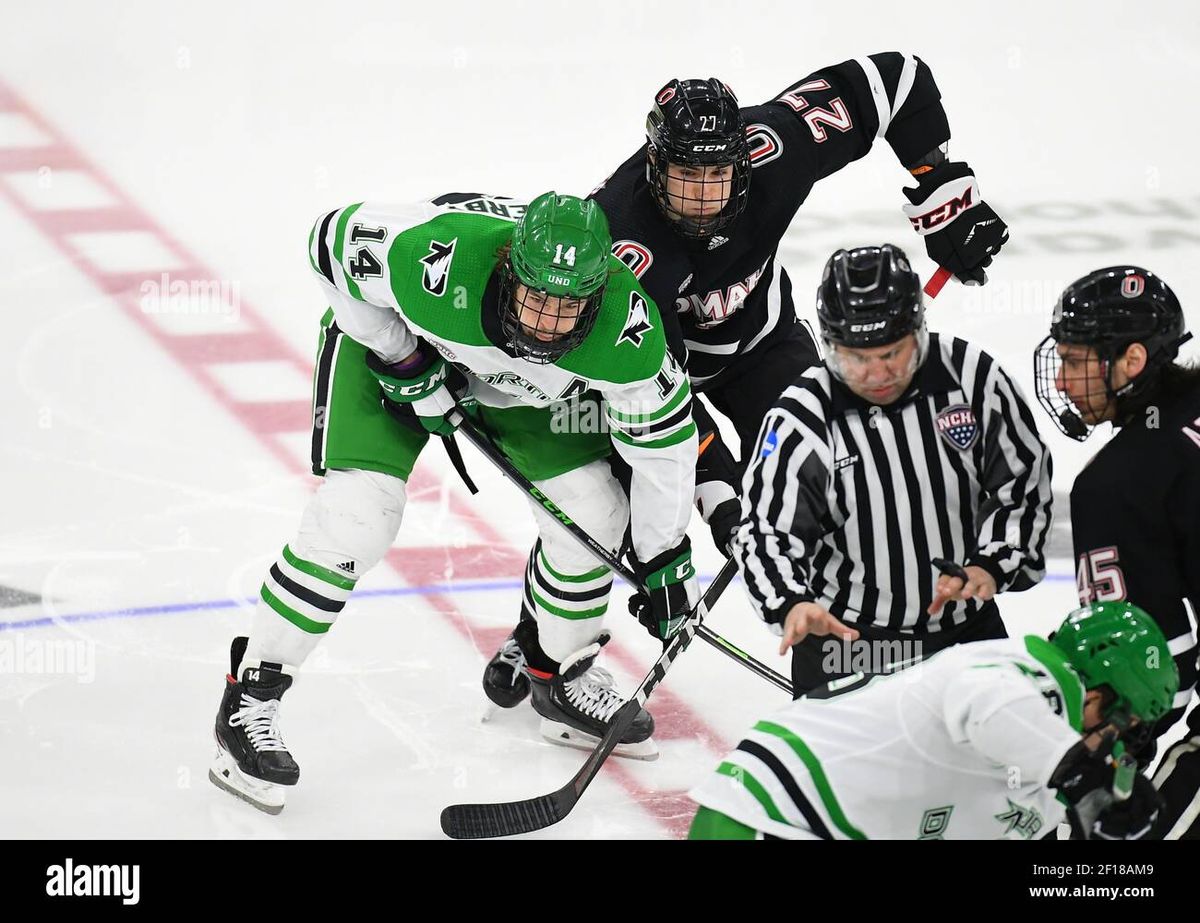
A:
[637,324]
[956,424]
[437,266]
[1025,821]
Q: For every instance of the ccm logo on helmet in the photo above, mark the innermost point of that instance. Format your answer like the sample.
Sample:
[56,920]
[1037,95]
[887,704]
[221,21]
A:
[702,148]
[865,328]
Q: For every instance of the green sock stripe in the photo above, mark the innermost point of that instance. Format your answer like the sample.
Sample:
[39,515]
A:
[303,622]
[817,773]
[316,570]
[582,578]
[754,787]
[573,615]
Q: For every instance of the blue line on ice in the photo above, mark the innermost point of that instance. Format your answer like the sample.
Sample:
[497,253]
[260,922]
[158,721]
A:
[199,606]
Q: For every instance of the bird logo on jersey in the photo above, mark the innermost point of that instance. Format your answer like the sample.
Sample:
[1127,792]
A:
[637,324]
[437,266]
[957,425]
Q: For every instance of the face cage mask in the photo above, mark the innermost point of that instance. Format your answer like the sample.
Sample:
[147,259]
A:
[1046,365]
[705,226]
[527,345]
[833,360]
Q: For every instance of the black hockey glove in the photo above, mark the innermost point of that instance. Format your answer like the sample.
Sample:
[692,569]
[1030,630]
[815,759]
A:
[1085,779]
[961,231]
[671,591]
[723,522]
[1133,818]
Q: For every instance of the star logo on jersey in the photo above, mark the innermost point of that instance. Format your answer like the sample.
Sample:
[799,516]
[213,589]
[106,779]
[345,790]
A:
[437,266]
[957,425]
[1024,821]
[637,324]
[717,241]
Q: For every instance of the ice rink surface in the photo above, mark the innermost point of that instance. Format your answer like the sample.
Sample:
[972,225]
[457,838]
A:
[155,445]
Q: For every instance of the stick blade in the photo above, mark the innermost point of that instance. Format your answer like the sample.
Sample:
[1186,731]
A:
[507,818]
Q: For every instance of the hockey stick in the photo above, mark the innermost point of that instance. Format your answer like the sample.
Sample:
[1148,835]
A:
[492,452]
[508,818]
[936,281]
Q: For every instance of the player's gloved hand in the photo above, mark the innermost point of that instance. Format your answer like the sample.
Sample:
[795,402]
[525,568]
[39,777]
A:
[961,231]
[723,522]
[671,591]
[419,383]
[1133,818]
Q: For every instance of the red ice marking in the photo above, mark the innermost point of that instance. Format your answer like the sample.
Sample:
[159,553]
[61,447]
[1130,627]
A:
[255,341]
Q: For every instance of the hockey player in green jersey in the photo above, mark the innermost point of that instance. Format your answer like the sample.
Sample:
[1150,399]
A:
[449,306]
[985,740]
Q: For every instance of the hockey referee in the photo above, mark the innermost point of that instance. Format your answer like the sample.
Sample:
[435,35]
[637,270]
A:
[904,448]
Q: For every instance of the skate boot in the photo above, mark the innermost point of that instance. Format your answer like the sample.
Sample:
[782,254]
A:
[252,762]
[504,680]
[577,701]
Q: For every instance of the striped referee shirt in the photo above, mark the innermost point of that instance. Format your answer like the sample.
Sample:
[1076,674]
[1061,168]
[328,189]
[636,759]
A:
[846,502]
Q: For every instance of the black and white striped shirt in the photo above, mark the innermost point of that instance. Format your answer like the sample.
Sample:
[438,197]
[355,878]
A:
[845,502]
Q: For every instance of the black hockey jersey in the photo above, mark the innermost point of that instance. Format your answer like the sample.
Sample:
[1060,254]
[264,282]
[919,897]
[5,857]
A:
[727,292]
[1135,523]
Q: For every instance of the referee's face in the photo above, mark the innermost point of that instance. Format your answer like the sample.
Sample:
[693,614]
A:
[879,374]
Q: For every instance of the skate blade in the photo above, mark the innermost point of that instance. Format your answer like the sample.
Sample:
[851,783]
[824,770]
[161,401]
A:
[266,796]
[567,736]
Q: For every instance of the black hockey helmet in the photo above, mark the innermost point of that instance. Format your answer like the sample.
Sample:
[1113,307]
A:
[1109,309]
[697,123]
[869,297]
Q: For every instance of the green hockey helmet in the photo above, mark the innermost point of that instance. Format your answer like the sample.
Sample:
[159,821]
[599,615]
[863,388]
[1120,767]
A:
[1118,645]
[559,261]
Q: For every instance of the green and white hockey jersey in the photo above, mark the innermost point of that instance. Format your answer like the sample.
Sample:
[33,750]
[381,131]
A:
[960,746]
[394,274]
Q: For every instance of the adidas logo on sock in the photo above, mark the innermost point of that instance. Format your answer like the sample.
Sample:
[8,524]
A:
[348,567]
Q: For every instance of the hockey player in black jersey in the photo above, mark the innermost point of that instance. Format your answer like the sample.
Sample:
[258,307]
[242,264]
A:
[698,213]
[1135,508]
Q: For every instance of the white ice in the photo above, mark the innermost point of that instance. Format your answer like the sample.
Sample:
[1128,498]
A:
[143,513]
